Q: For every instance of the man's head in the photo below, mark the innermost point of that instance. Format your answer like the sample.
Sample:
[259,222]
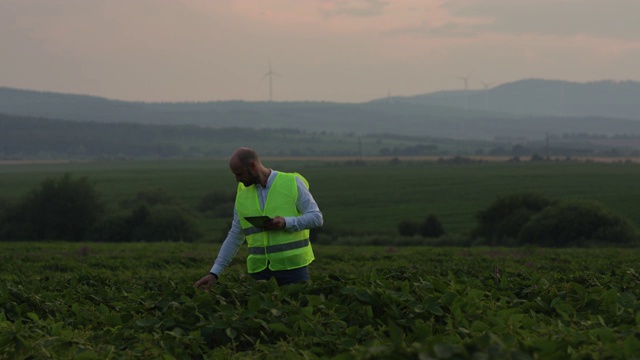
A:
[246,166]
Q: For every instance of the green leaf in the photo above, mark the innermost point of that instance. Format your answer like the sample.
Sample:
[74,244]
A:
[113,319]
[103,309]
[255,302]
[86,355]
[76,309]
[443,351]
[147,322]
[369,311]
[602,334]
[434,308]
[33,316]
[395,333]
[626,300]
[231,333]
[280,327]
[547,347]
[315,300]
[479,326]
[365,295]
[631,346]
[475,294]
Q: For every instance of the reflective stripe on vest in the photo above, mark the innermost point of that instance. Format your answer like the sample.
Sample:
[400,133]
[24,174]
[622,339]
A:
[278,248]
[252,230]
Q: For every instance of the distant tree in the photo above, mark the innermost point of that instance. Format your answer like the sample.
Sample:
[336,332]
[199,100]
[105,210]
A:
[147,224]
[5,203]
[536,158]
[151,197]
[502,221]
[62,208]
[407,228]
[431,227]
[579,223]
[217,202]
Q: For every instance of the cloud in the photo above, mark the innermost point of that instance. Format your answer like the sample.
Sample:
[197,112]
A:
[567,18]
[361,8]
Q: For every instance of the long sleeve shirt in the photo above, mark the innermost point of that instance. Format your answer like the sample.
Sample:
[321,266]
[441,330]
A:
[311,218]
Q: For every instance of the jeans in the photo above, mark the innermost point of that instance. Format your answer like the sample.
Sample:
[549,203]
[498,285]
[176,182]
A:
[283,277]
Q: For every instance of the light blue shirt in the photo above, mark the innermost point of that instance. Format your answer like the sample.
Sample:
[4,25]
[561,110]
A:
[311,218]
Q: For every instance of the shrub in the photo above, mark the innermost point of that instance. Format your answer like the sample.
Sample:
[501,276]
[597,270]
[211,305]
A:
[116,227]
[407,228]
[431,227]
[151,197]
[60,208]
[5,203]
[150,224]
[578,223]
[217,203]
[501,222]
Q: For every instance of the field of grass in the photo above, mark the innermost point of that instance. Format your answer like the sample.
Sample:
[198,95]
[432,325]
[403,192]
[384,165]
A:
[369,199]
[136,300]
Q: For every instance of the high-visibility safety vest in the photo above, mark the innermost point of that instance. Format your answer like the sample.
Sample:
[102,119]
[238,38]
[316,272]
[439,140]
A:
[278,249]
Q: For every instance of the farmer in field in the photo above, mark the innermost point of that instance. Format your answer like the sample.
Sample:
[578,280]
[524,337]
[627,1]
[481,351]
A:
[278,247]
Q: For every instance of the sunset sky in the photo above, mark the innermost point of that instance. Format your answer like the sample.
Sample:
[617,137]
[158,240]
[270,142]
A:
[320,50]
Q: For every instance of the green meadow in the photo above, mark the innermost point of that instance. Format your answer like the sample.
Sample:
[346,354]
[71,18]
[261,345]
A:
[367,197]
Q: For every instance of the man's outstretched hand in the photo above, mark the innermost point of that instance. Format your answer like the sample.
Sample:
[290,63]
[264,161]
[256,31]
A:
[206,282]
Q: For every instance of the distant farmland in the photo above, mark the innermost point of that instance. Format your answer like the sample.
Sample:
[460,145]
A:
[368,197]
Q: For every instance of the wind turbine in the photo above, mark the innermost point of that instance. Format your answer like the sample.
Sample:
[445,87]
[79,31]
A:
[486,94]
[562,100]
[270,74]
[466,87]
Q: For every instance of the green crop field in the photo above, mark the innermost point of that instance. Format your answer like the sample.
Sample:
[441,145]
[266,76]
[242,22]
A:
[136,300]
[369,199]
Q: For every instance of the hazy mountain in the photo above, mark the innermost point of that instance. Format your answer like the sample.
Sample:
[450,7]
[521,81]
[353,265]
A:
[535,97]
[525,109]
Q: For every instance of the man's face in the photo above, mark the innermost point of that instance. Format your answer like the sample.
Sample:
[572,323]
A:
[246,174]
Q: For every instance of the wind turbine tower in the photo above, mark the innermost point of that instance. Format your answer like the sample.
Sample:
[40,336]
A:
[466,88]
[562,100]
[270,74]
[486,94]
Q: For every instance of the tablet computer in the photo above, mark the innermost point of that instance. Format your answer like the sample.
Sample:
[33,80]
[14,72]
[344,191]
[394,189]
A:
[257,221]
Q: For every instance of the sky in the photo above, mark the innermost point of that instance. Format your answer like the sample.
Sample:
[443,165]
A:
[346,51]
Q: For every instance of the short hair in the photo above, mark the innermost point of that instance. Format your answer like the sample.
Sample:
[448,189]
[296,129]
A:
[247,155]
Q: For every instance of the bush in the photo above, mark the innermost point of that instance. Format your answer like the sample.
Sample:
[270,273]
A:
[407,228]
[116,227]
[151,197]
[501,223]
[61,208]
[5,203]
[150,224]
[431,227]
[217,203]
[578,223]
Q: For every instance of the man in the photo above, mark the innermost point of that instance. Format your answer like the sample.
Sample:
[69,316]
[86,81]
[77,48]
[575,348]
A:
[279,247]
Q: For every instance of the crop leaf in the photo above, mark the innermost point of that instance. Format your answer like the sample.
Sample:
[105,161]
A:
[631,347]
[280,327]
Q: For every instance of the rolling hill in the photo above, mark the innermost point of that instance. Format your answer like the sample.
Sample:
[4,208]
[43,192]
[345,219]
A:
[527,109]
